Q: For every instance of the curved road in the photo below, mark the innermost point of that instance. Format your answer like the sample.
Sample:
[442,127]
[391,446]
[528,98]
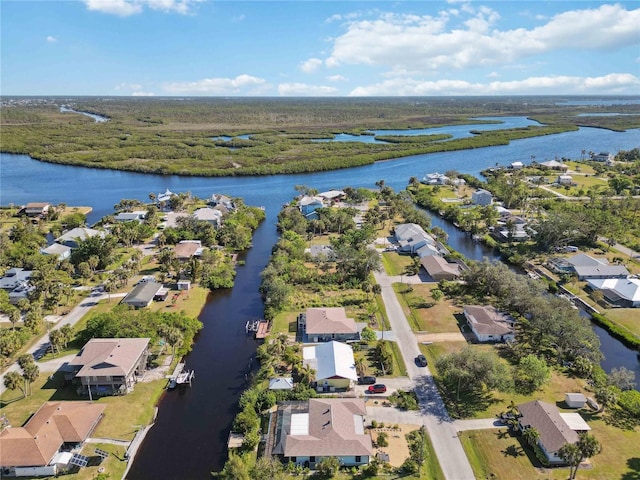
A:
[442,431]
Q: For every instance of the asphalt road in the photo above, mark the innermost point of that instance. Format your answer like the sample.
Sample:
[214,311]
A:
[441,429]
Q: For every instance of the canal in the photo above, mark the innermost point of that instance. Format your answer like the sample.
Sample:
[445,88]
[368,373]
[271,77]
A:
[189,438]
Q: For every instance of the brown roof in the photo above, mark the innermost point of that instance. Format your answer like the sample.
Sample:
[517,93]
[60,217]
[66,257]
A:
[329,320]
[545,417]
[435,265]
[109,356]
[335,429]
[486,320]
[53,424]
[186,250]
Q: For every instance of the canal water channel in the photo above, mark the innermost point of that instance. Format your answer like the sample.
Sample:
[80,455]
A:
[190,434]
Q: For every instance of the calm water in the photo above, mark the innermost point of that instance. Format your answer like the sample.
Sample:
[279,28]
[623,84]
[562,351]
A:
[189,439]
[97,118]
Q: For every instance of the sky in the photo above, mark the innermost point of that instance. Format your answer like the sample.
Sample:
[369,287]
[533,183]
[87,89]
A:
[319,48]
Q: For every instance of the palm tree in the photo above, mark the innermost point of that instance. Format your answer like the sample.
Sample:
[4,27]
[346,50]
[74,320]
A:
[575,453]
[532,436]
[13,381]
[361,366]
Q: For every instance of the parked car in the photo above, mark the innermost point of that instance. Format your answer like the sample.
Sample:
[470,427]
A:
[421,361]
[366,380]
[377,388]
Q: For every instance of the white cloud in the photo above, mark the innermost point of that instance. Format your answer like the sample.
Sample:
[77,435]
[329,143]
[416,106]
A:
[614,83]
[493,75]
[429,44]
[127,86]
[304,90]
[125,8]
[240,85]
[336,78]
[238,18]
[311,65]
[143,94]
[51,39]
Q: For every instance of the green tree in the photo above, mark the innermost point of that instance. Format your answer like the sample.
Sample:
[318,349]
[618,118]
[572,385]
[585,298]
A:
[531,373]
[268,468]
[13,381]
[531,436]
[30,374]
[235,468]
[328,467]
[607,397]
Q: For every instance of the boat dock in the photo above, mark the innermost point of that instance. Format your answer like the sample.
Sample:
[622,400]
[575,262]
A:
[180,376]
[259,328]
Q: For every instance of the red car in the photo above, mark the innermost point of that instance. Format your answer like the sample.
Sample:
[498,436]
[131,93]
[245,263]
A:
[377,388]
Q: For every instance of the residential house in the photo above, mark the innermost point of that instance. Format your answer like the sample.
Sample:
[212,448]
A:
[281,383]
[110,365]
[412,239]
[440,269]
[489,325]
[136,216]
[57,250]
[186,249]
[218,200]
[308,205]
[14,277]
[163,198]
[210,215]
[601,272]
[621,292]
[512,228]
[604,157]
[564,179]
[309,431]
[482,197]
[325,324]
[21,292]
[517,165]
[503,212]
[568,264]
[36,209]
[333,363]
[553,165]
[552,427]
[73,237]
[332,196]
[143,294]
[435,179]
[42,447]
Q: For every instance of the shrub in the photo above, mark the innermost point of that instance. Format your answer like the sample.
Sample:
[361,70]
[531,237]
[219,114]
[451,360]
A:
[382,440]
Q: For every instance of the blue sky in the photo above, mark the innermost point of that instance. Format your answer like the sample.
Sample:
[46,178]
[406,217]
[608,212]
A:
[318,48]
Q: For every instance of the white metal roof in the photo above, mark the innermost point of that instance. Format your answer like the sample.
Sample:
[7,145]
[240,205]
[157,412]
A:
[300,424]
[575,421]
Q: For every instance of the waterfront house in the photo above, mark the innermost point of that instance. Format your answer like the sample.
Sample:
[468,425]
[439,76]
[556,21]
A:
[333,363]
[439,269]
[604,157]
[307,432]
[326,324]
[620,292]
[163,198]
[482,197]
[601,271]
[110,365]
[413,240]
[143,294]
[135,216]
[219,200]
[332,196]
[308,205]
[489,325]
[517,165]
[44,445]
[324,252]
[553,165]
[73,237]
[281,383]
[36,209]
[435,179]
[554,431]
[568,264]
[209,215]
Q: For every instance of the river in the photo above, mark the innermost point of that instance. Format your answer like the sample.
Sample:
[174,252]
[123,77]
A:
[189,438]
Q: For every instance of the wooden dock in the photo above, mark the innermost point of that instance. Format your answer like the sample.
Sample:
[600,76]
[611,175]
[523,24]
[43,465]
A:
[180,376]
[259,328]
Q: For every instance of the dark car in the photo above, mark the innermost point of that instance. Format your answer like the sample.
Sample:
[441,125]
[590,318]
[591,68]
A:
[377,388]
[366,380]
[421,361]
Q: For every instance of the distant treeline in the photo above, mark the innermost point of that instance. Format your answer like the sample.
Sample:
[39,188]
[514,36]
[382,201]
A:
[178,136]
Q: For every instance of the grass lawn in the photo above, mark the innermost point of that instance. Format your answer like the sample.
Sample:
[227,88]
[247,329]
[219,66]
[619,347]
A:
[423,313]
[395,264]
[497,454]
[190,301]
[629,318]
[373,366]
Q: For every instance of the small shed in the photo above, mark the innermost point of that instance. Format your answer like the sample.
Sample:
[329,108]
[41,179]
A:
[281,383]
[575,400]
[184,284]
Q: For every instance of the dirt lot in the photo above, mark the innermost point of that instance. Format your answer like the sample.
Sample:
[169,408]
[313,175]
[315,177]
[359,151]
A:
[398,450]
